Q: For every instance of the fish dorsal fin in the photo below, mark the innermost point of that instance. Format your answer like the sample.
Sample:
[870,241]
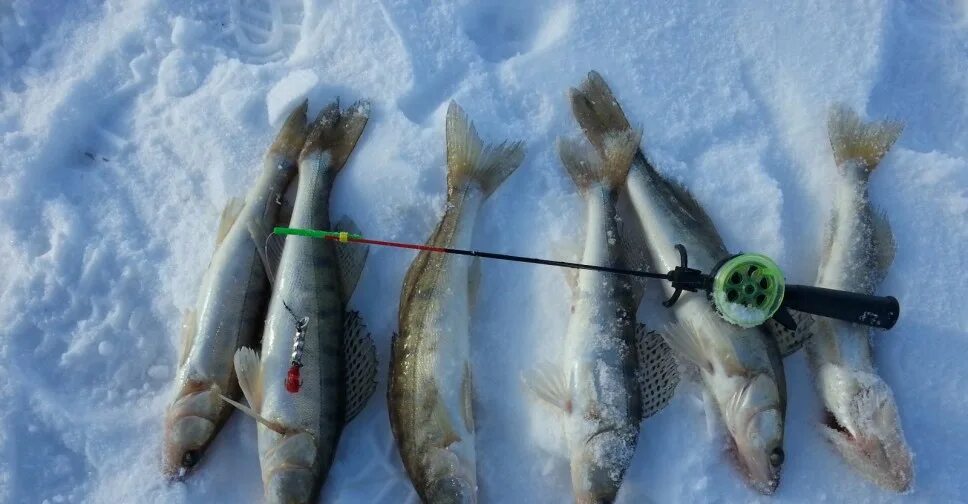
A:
[684,341]
[884,245]
[550,384]
[789,341]
[269,246]
[351,257]
[189,327]
[467,397]
[658,371]
[689,203]
[229,215]
[360,355]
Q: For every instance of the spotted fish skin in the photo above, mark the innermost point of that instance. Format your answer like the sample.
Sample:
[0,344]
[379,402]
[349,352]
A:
[430,387]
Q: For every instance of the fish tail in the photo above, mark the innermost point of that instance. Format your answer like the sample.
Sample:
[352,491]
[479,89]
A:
[596,110]
[587,168]
[292,136]
[470,161]
[854,140]
[335,133]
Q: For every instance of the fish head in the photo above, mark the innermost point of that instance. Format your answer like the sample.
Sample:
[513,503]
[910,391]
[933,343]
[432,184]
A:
[190,425]
[754,417]
[450,481]
[863,424]
[597,466]
[289,469]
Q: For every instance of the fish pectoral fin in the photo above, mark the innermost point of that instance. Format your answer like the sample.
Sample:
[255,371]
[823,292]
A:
[248,370]
[684,340]
[189,328]
[658,373]
[443,424]
[359,353]
[229,215]
[269,246]
[789,341]
[884,244]
[257,417]
[351,258]
[550,385]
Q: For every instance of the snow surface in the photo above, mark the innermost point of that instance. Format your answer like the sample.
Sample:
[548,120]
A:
[127,125]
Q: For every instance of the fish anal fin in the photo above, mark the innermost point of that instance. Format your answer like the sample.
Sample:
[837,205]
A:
[884,245]
[549,384]
[189,328]
[351,258]
[229,215]
[269,247]
[473,282]
[360,371]
[658,371]
[467,398]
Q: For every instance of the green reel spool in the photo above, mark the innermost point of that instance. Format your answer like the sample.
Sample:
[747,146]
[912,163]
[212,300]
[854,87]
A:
[748,289]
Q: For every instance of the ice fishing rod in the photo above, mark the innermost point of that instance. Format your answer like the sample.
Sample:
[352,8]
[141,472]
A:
[746,289]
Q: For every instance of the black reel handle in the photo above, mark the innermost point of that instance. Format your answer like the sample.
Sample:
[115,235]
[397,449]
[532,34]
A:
[874,311]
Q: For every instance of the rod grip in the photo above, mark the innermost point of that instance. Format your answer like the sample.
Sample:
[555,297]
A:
[874,311]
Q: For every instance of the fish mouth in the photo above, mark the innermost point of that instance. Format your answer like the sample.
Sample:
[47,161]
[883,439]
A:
[880,455]
[185,441]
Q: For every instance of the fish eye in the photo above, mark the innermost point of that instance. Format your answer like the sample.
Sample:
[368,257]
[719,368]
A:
[190,459]
[776,457]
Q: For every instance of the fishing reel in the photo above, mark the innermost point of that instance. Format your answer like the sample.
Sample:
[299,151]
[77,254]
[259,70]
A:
[749,289]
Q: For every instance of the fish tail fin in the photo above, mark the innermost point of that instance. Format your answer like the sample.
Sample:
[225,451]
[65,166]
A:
[291,136]
[335,133]
[596,110]
[470,161]
[610,170]
[854,140]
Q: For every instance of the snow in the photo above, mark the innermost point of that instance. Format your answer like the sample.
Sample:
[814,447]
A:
[127,125]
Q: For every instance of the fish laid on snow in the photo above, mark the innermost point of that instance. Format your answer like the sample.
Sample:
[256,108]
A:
[599,390]
[861,417]
[230,308]
[741,368]
[306,330]
[430,371]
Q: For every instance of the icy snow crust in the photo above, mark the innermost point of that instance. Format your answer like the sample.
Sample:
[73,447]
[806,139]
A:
[127,126]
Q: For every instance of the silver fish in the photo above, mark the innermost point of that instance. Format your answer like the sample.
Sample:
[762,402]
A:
[597,391]
[862,421]
[229,311]
[740,368]
[306,331]
[430,384]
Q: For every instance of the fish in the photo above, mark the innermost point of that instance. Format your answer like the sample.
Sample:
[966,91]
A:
[430,386]
[228,314]
[861,419]
[599,391]
[317,367]
[741,368]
